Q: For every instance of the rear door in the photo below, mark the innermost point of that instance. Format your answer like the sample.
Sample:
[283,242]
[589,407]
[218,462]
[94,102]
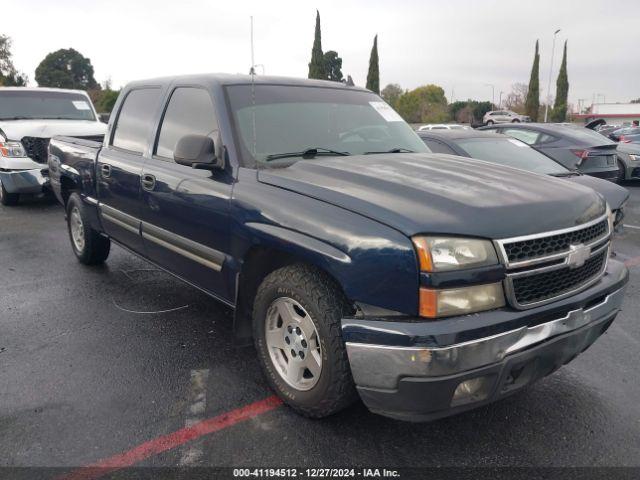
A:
[119,166]
[185,212]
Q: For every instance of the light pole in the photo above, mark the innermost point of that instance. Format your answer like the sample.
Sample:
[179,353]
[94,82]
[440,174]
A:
[546,108]
[500,100]
[493,93]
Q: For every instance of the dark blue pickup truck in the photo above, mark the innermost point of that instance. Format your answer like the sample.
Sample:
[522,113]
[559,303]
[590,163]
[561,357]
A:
[357,261]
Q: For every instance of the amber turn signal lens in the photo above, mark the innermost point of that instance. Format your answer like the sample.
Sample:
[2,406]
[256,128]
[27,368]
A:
[424,257]
[428,303]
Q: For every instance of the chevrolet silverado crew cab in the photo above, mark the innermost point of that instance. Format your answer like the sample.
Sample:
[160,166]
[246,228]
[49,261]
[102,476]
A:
[358,262]
[29,117]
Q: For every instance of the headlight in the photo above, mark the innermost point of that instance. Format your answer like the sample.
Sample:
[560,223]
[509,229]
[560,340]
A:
[12,149]
[442,254]
[448,254]
[460,301]
[635,158]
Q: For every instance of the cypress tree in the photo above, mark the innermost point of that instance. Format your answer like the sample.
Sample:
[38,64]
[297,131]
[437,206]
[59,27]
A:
[559,112]
[317,64]
[373,76]
[532,104]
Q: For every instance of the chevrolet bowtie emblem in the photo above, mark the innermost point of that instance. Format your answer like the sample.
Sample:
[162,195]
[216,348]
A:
[578,254]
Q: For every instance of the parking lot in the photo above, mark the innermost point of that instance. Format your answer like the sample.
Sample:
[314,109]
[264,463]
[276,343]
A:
[114,364]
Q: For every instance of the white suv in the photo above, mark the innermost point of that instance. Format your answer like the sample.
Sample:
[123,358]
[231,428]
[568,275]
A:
[504,116]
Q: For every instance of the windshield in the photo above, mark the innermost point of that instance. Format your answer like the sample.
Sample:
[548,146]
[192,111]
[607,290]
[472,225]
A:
[289,119]
[584,135]
[30,104]
[513,153]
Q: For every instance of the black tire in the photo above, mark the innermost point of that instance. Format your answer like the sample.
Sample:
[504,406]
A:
[94,248]
[489,122]
[620,175]
[318,294]
[8,199]
[515,120]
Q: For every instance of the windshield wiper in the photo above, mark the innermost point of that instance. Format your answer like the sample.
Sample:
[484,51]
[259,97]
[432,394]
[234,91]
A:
[17,117]
[393,150]
[307,154]
[566,174]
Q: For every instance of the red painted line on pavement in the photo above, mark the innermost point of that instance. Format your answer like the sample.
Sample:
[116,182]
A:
[172,440]
[632,262]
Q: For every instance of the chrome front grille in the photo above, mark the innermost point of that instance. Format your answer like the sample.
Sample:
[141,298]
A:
[546,267]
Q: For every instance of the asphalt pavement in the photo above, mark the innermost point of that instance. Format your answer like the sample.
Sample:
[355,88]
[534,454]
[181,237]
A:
[118,362]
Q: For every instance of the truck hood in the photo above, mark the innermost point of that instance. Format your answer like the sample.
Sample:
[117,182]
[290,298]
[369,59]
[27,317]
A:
[615,195]
[16,129]
[441,194]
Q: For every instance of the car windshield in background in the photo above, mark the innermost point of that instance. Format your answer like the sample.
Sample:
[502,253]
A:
[285,121]
[584,135]
[30,104]
[513,153]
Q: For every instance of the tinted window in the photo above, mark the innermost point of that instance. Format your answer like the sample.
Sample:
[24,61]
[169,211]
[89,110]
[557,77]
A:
[135,118]
[438,147]
[289,119]
[190,112]
[511,152]
[42,104]
[527,136]
[584,135]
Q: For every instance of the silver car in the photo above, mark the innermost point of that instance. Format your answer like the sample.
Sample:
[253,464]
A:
[503,116]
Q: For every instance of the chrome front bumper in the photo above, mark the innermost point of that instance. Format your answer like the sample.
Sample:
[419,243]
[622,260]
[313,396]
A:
[24,181]
[382,367]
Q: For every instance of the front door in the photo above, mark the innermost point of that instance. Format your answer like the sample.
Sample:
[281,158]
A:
[119,167]
[185,212]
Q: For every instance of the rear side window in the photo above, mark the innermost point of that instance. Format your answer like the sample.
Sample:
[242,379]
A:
[438,147]
[527,136]
[135,119]
[190,112]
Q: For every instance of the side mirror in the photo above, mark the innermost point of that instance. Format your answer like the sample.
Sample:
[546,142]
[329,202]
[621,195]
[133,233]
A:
[197,151]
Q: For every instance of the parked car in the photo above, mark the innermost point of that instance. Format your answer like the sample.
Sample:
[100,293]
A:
[512,152]
[574,147]
[504,116]
[358,262]
[626,135]
[629,155]
[29,117]
[443,126]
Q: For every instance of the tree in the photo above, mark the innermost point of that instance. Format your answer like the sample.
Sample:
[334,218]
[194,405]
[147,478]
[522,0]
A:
[317,64]
[559,112]
[426,104]
[66,68]
[373,77]
[333,66]
[515,100]
[391,93]
[9,76]
[637,100]
[469,111]
[532,104]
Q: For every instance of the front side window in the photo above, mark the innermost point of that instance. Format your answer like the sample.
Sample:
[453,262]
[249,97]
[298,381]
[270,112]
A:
[190,112]
[512,153]
[279,119]
[45,105]
[527,136]
[133,125]
[438,147]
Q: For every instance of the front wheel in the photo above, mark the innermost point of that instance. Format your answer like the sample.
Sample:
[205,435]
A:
[8,199]
[515,120]
[489,122]
[296,327]
[88,245]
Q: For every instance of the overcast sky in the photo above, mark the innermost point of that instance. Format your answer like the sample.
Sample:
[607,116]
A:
[461,45]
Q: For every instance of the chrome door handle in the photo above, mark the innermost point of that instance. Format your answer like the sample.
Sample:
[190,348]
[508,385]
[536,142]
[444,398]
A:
[105,170]
[148,182]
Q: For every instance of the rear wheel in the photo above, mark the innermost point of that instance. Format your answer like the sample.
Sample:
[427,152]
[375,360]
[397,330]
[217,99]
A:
[8,199]
[296,327]
[88,245]
[489,122]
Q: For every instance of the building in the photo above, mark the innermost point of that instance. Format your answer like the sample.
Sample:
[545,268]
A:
[613,113]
